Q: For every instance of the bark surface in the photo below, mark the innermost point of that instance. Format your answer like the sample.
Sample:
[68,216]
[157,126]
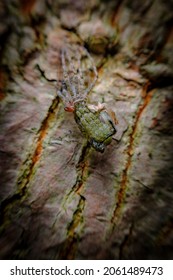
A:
[60,199]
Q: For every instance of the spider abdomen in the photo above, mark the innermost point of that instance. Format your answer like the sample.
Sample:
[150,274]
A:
[98,133]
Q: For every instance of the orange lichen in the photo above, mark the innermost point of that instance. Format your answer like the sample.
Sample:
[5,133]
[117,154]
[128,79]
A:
[2,84]
[129,152]
[34,158]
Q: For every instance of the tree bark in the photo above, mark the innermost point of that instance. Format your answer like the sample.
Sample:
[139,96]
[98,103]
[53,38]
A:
[60,199]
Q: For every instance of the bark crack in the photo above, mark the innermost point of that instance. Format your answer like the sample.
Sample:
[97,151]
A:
[129,152]
[125,241]
[82,168]
[69,248]
[29,166]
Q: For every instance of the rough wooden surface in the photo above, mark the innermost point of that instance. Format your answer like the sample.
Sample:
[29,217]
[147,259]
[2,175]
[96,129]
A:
[60,199]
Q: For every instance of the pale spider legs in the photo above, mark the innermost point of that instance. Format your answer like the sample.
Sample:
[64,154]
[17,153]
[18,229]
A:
[78,76]
[68,72]
[63,93]
[95,73]
[73,89]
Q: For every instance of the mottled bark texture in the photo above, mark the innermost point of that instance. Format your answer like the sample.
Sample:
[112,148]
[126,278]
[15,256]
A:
[60,199]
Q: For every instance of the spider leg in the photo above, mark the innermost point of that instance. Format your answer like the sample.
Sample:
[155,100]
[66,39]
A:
[71,76]
[61,95]
[93,68]
[75,76]
[80,75]
[64,69]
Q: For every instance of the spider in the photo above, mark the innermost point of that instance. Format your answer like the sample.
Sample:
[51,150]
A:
[79,77]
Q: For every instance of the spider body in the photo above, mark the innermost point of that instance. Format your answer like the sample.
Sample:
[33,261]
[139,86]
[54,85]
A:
[98,132]
[96,124]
